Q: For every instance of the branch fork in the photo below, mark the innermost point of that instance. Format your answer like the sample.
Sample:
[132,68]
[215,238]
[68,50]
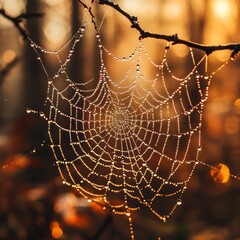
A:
[19,19]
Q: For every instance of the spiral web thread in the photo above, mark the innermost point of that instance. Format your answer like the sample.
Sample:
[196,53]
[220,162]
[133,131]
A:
[130,143]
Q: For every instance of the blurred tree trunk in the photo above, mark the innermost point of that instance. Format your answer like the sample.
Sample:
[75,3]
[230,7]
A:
[85,60]
[198,22]
[77,60]
[35,81]
[35,85]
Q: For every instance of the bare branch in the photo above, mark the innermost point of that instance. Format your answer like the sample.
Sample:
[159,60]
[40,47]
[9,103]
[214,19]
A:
[18,20]
[90,11]
[30,15]
[208,49]
[4,72]
[17,23]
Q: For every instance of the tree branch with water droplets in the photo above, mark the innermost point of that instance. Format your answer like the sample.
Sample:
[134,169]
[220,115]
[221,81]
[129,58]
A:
[174,39]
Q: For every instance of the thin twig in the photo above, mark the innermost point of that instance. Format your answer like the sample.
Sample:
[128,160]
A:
[90,11]
[102,228]
[5,71]
[17,23]
[208,49]
[18,20]
[30,15]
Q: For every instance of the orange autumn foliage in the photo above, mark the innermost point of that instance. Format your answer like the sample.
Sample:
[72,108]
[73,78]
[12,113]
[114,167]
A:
[220,173]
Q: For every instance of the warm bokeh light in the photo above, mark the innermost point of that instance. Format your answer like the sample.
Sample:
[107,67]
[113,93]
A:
[232,125]
[237,106]
[57,25]
[56,231]
[222,8]
[139,6]
[9,56]
[222,21]
[36,193]
[181,51]
[174,15]
[56,32]
[96,207]
[15,8]
[65,203]
[220,173]
[15,163]
[237,102]
[74,219]
[68,205]
[222,56]
[173,9]
[214,125]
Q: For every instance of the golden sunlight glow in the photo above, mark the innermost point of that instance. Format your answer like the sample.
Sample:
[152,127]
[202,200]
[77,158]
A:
[222,22]
[181,51]
[15,7]
[173,9]
[9,56]
[56,27]
[222,56]
[53,3]
[140,7]
[222,8]
[56,32]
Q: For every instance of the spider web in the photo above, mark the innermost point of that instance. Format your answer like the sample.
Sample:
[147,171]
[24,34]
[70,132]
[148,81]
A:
[126,143]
